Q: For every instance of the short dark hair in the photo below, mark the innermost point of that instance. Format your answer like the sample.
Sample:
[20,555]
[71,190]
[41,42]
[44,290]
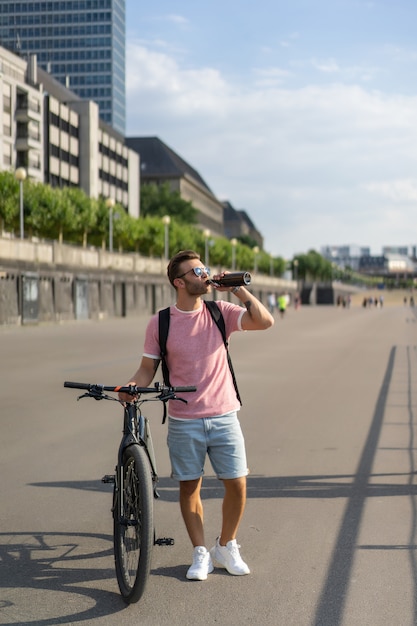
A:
[175,262]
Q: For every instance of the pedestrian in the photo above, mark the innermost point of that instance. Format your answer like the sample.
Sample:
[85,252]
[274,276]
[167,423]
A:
[208,423]
[272,302]
[282,305]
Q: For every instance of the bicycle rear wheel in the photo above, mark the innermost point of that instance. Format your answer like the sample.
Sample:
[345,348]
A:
[133,525]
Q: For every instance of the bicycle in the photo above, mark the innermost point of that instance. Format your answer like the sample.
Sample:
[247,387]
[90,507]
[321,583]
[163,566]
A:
[135,484]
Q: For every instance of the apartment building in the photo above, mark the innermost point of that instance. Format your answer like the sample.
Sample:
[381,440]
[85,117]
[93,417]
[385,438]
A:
[21,116]
[59,138]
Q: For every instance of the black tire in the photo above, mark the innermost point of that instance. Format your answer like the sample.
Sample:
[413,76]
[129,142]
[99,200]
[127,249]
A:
[134,532]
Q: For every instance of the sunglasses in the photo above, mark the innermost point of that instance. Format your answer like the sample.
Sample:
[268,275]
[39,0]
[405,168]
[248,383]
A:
[198,271]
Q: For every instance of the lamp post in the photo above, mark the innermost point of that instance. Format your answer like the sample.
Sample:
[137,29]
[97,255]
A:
[110,205]
[233,243]
[295,265]
[255,258]
[20,175]
[271,265]
[206,233]
[166,220]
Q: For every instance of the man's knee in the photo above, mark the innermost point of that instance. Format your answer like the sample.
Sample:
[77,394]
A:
[236,486]
[190,488]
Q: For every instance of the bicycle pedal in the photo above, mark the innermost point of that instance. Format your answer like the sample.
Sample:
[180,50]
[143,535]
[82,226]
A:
[108,478]
[164,541]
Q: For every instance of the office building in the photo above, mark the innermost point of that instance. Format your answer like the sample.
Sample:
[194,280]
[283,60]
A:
[237,223]
[159,164]
[21,116]
[402,250]
[58,138]
[79,42]
[347,256]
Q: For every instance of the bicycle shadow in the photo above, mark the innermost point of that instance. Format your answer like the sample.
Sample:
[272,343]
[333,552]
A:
[38,562]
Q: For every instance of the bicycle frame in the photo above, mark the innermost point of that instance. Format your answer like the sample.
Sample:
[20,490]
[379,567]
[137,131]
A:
[136,431]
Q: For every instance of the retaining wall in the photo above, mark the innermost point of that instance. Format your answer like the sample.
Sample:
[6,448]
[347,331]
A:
[52,282]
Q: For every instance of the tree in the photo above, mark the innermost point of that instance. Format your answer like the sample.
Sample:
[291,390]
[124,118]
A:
[85,211]
[246,240]
[9,200]
[159,200]
[49,211]
[312,266]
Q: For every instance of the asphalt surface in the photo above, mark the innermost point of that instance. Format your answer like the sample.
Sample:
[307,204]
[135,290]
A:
[331,520]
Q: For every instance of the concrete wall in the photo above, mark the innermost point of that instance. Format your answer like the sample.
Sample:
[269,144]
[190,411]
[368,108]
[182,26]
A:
[51,282]
[31,295]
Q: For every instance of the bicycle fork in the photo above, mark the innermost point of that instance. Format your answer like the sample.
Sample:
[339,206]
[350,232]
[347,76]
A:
[118,505]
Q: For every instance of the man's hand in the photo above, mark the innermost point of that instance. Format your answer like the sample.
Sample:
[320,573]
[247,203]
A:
[127,397]
[214,280]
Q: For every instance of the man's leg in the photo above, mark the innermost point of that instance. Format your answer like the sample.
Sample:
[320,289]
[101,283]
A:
[192,510]
[233,507]
[226,551]
[192,513]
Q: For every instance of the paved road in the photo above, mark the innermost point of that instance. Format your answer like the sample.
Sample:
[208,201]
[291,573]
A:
[330,526]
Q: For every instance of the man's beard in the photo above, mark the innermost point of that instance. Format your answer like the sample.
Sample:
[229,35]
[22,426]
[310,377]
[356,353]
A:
[196,288]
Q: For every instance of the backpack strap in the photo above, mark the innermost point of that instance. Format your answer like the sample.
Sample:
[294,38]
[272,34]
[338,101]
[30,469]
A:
[163,328]
[218,318]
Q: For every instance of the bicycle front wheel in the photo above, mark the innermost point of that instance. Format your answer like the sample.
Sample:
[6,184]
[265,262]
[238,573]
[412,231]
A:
[133,524]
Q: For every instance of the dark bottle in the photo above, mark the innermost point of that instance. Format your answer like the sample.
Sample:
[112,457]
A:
[234,279]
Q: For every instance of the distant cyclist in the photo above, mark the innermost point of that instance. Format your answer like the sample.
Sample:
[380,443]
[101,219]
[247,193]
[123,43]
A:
[208,423]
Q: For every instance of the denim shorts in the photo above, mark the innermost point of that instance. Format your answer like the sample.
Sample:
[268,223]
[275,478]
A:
[221,438]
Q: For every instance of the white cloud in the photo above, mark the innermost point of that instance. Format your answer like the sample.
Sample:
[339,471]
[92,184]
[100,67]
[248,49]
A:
[177,19]
[271,76]
[316,165]
[158,80]
[328,66]
[396,191]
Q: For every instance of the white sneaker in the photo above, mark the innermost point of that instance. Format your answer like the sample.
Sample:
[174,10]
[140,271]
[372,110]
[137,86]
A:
[228,556]
[202,564]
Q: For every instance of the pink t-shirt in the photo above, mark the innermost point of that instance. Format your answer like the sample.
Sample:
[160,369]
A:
[196,355]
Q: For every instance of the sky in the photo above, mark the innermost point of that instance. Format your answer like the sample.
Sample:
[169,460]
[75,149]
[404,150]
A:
[303,113]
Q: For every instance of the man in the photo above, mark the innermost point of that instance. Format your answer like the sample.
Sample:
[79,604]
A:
[208,423]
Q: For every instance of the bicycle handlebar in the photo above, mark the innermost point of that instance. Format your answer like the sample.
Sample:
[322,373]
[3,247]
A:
[133,390]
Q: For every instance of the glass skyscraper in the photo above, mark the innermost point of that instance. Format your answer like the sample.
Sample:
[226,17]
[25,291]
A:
[79,42]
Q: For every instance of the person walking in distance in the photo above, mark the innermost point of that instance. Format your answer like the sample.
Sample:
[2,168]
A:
[208,423]
[282,304]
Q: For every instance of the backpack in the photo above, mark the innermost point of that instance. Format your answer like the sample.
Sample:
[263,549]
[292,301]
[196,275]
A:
[216,314]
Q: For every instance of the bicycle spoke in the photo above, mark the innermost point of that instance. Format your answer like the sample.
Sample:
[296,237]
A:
[133,526]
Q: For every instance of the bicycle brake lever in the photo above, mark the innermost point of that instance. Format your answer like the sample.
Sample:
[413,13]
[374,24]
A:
[165,398]
[90,394]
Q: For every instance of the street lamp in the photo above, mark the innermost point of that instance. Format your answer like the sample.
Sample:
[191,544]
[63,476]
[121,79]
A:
[233,243]
[166,220]
[206,233]
[20,175]
[255,250]
[110,205]
[295,264]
